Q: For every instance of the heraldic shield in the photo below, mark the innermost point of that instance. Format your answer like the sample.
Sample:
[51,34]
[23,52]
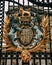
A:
[26,36]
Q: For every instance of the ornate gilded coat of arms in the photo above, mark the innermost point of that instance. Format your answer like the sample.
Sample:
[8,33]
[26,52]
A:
[25,32]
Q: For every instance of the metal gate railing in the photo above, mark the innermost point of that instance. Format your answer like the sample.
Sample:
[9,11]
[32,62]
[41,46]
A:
[13,58]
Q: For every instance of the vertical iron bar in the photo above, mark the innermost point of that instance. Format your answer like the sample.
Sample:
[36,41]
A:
[17,57]
[9,9]
[13,5]
[49,34]
[45,58]
[11,57]
[23,2]
[39,58]
[18,2]
[2,3]
[34,55]
[5,58]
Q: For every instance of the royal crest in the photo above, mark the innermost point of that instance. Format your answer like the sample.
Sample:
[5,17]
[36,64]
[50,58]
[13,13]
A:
[25,31]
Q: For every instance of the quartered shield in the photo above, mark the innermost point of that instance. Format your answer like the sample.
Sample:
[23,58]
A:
[26,36]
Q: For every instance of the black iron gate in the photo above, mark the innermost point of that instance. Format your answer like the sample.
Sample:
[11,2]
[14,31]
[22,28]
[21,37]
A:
[13,58]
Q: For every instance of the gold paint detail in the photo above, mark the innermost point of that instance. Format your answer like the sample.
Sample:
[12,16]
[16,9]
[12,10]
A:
[25,55]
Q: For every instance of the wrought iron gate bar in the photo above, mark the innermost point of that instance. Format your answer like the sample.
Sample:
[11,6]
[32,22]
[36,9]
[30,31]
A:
[41,3]
[1,26]
[34,2]
[50,13]
[34,55]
